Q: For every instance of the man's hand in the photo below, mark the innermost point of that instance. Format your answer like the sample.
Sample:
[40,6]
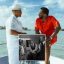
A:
[13,32]
[48,39]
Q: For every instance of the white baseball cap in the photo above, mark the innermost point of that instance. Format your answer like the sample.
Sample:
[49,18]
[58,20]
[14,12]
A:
[16,7]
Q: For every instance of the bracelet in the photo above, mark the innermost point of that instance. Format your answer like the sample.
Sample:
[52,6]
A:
[50,37]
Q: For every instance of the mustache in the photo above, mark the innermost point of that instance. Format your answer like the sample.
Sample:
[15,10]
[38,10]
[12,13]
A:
[41,16]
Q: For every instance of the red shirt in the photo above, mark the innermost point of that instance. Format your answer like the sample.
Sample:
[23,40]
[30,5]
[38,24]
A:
[47,27]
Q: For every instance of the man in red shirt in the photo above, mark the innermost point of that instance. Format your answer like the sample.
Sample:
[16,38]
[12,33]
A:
[48,25]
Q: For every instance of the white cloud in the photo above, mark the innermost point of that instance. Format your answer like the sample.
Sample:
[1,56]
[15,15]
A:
[3,10]
[25,5]
[4,14]
[61,3]
[50,3]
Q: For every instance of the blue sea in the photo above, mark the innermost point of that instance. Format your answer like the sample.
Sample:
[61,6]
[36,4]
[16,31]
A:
[57,49]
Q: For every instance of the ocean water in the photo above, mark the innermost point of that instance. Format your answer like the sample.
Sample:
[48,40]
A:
[57,49]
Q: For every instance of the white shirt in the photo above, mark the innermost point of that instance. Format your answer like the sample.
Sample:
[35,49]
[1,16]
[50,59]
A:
[13,24]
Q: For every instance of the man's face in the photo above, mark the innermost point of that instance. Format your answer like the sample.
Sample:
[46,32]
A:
[17,13]
[41,14]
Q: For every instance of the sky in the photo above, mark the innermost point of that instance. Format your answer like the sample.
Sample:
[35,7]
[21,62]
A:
[30,10]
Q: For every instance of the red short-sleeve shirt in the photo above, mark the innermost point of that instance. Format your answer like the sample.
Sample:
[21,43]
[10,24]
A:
[47,27]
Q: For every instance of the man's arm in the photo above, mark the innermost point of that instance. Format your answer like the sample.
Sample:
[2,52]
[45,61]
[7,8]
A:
[13,32]
[56,26]
[56,31]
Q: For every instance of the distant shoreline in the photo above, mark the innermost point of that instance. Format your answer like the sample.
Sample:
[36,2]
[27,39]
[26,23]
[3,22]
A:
[2,27]
[62,29]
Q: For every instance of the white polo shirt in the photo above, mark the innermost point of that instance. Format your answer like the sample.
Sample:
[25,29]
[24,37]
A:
[13,24]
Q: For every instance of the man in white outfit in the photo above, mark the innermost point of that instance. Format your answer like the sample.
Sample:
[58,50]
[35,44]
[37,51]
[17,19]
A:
[13,28]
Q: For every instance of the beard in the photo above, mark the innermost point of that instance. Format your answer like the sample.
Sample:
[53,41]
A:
[41,16]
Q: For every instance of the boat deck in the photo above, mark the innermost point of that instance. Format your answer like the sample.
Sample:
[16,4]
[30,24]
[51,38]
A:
[53,60]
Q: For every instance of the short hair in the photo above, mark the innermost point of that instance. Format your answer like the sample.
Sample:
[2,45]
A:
[45,10]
